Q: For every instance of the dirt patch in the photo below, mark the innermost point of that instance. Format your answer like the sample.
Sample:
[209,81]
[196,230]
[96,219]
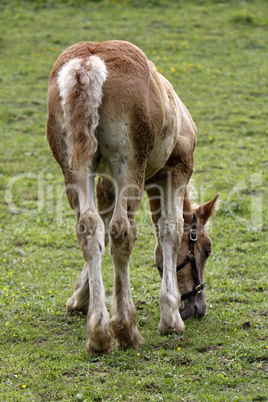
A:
[209,348]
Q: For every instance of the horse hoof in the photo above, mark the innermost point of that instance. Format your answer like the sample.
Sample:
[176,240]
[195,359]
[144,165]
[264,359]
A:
[166,330]
[98,350]
[71,305]
[135,342]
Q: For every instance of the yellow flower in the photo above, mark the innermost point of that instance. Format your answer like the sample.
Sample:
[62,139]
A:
[50,292]
[259,366]
[42,297]
[23,287]
[4,260]
[210,138]
[178,348]
[21,283]
[5,289]
[13,300]
[23,261]
[138,354]
[23,386]
[245,354]
[173,70]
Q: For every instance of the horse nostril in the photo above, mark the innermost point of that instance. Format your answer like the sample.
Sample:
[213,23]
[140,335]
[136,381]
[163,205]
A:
[199,311]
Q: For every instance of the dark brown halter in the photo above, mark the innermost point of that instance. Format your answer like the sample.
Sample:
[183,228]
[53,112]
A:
[199,286]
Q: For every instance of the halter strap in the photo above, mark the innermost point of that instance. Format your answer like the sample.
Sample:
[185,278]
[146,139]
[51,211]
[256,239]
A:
[192,239]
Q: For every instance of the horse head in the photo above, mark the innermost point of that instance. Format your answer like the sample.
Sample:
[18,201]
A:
[193,253]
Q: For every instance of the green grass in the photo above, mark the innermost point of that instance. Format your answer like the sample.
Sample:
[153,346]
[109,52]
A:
[215,55]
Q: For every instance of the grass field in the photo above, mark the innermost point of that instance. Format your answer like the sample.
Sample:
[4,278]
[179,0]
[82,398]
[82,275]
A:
[215,56]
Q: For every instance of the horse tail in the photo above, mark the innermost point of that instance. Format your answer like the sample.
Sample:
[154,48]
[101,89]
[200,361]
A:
[80,83]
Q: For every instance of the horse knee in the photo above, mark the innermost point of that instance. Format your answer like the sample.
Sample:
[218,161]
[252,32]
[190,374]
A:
[171,229]
[122,234]
[90,234]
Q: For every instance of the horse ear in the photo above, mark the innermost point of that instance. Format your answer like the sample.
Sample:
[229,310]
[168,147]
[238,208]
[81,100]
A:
[205,211]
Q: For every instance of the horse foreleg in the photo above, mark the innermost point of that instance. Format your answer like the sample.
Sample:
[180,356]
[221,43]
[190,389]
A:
[169,235]
[80,298]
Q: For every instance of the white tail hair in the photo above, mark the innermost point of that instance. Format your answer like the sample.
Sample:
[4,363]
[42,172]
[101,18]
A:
[80,83]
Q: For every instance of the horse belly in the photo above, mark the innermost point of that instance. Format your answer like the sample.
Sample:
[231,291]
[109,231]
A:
[163,147]
[117,154]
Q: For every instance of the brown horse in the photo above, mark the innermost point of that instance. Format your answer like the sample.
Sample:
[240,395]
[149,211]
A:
[111,114]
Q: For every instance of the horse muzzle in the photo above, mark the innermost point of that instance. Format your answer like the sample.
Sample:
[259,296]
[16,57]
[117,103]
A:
[195,306]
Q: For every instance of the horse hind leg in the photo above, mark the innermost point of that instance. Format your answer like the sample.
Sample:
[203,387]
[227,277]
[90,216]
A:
[122,231]
[105,198]
[80,299]
[89,290]
[90,234]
